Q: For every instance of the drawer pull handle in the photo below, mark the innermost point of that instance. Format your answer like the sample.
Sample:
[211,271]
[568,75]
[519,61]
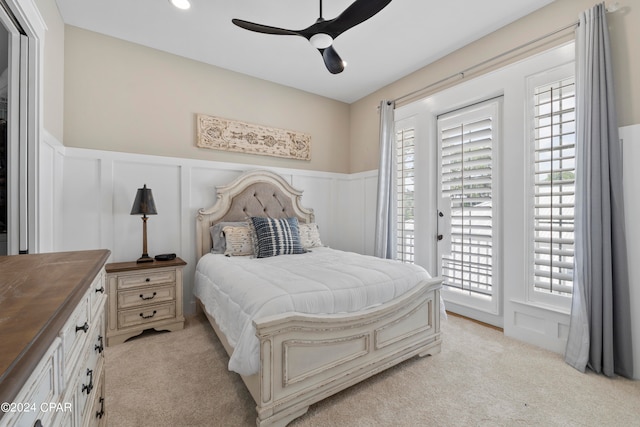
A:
[100,414]
[89,386]
[100,346]
[147,280]
[147,298]
[84,327]
[149,316]
[101,290]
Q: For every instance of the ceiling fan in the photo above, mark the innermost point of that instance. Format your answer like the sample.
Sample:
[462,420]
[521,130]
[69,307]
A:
[322,33]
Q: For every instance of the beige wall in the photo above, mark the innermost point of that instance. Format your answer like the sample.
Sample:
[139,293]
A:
[53,75]
[121,96]
[124,97]
[625,39]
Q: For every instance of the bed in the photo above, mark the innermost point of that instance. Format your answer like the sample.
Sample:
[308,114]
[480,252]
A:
[289,359]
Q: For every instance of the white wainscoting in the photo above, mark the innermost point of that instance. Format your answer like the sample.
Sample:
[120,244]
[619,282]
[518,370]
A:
[86,196]
[98,188]
[630,136]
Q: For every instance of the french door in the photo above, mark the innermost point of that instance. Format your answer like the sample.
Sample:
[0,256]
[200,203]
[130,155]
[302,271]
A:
[468,244]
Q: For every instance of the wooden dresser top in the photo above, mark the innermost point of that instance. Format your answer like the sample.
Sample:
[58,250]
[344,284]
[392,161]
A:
[38,293]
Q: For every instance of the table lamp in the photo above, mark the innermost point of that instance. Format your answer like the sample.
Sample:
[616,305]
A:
[144,205]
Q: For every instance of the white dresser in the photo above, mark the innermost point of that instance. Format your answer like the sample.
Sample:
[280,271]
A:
[53,339]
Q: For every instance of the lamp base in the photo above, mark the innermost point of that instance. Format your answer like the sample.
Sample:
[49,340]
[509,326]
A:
[144,258]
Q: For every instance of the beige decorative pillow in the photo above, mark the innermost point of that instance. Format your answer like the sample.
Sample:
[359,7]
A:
[310,235]
[238,240]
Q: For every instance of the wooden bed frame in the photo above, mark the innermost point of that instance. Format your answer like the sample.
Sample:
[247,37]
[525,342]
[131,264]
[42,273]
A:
[306,358]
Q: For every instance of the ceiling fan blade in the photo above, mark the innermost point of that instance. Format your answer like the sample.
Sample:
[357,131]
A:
[332,60]
[358,12]
[265,29]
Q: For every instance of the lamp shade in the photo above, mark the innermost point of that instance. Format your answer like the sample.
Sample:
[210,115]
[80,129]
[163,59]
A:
[144,204]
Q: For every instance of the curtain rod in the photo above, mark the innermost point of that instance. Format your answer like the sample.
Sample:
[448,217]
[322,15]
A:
[461,74]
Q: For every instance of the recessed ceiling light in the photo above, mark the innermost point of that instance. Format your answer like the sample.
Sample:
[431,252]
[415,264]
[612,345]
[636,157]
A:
[181,4]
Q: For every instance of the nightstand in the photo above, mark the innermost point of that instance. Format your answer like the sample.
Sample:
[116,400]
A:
[143,296]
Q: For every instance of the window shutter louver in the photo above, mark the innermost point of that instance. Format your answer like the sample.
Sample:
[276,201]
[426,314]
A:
[554,187]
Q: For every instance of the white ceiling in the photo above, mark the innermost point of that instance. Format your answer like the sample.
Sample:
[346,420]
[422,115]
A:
[404,37]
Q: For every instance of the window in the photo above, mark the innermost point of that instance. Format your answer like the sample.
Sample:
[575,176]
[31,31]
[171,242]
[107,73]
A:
[405,175]
[477,189]
[553,167]
[468,177]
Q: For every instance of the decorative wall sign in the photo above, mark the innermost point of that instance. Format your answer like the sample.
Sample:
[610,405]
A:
[231,135]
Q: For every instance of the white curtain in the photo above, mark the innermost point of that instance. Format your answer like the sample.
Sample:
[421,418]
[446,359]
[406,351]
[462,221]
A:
[385,234]
[600,329]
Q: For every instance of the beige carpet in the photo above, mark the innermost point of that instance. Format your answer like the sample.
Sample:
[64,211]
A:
[481,378]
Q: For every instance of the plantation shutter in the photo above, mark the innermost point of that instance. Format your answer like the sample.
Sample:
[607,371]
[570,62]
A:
[554,187]
[466,145]
[405,179]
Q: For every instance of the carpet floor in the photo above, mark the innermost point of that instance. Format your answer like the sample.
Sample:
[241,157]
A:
[481,378]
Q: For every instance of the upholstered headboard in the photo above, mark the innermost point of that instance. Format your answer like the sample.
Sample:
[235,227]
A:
[254,193]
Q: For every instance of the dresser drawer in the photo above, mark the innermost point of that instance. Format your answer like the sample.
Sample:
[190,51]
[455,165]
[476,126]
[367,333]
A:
[86,387]
[147,278]
[33,402]
[146,296]
[97,416]
[97,292]
[149,314]
[96,342]
[74,333]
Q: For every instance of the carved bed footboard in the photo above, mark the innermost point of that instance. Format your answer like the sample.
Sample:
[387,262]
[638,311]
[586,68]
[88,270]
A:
[305,358]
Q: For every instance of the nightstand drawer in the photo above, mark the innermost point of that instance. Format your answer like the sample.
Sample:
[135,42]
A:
[150,314]
[146,278]
[146,296]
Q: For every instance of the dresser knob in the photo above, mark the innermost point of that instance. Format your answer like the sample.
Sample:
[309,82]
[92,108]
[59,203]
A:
[101,290]
[84,327]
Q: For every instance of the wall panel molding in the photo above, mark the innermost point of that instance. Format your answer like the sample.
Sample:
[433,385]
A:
[98,187]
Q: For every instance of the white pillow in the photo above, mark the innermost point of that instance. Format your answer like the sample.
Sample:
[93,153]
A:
[219,246]
[309,235]
[238,240]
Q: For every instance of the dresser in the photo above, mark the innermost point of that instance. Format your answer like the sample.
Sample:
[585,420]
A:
[143,296]
[52,329]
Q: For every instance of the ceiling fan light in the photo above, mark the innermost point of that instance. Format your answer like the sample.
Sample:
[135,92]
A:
[321,40]
[181,4]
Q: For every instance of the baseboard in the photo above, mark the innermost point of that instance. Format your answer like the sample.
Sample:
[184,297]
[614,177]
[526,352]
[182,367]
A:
[450,313]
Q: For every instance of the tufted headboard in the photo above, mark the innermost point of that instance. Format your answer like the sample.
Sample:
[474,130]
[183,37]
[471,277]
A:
[254,193]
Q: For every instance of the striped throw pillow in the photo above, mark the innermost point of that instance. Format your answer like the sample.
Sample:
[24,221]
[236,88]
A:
[276,236]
